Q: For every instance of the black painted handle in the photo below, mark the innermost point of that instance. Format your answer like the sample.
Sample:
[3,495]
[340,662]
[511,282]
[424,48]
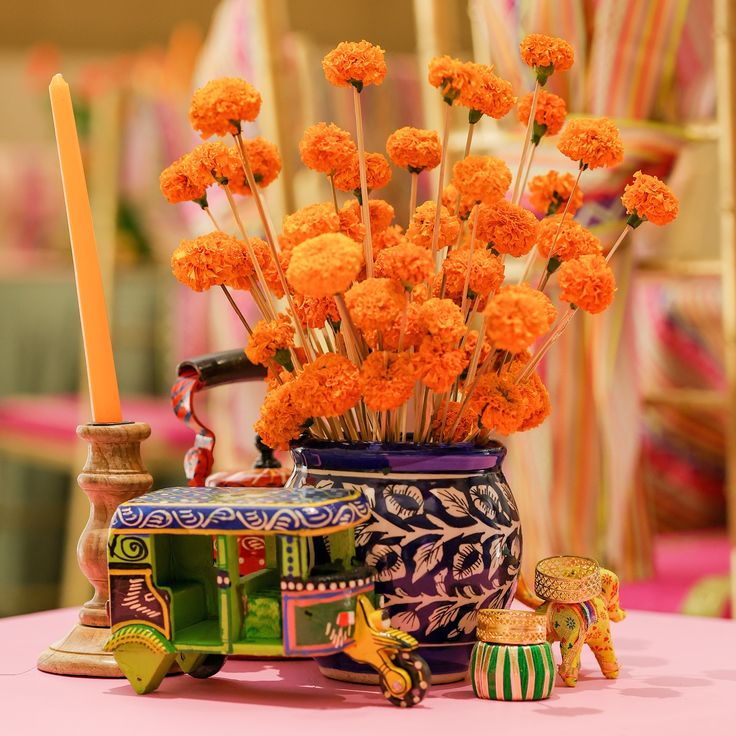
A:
[216,369]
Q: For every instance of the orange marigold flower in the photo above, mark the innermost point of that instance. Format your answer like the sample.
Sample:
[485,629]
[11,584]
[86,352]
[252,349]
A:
[314,311]
[268,338]
[471,342]
[505,407]
[573,240]
[219,107]
[517,316]
[587,282]
[442,320]
[450,200]
[214,161]
[649,198]
[351,213]
[421,228]
[481,178]
[375,304]
[486,93]
[414,149]
[508,228]
[449,76]
[536,398]
[180,184]
[208,260]
[486,273]
[265,162]
[266,261]
[592,142]
[324,265]
[308,222]
[549,117]
[549,193]
[325,147]
[449,412]
[546,54]
[282,416]
[413,332]
[409,263]
[377,173]
[329,386]
[387,380]
[439,366]
[355,63]
[391,236]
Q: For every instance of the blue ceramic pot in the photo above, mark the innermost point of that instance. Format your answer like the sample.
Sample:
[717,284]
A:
[444,539]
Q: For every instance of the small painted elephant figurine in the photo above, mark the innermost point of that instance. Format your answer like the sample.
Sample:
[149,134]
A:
[576,624]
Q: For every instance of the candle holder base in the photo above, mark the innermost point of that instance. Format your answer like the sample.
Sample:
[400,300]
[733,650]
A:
[80,653]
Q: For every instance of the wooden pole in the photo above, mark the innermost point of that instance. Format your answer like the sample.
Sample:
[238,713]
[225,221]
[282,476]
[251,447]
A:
[725,18]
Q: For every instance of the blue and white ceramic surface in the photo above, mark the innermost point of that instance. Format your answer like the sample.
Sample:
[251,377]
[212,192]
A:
[444,537]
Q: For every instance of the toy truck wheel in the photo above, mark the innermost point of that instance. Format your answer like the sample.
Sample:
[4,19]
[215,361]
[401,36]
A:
[419,675]
[209,666]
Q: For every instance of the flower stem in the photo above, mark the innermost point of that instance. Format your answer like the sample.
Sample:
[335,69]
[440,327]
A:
[440,182]
[236,309]
[368,238]
[413,196]
[527,140]
[618,242]
[470,259]
[331,177]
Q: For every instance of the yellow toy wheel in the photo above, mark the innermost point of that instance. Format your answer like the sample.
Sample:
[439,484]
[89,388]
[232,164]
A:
[408,681]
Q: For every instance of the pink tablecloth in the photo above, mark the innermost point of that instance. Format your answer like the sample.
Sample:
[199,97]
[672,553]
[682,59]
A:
[679,677]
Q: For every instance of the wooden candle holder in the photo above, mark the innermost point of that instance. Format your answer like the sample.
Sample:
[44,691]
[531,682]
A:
[113,473]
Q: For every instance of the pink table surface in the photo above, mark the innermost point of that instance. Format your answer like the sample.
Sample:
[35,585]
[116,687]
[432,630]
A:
[679,677]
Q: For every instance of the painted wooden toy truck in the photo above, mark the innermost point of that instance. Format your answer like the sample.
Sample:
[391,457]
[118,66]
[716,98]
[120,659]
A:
[174,600]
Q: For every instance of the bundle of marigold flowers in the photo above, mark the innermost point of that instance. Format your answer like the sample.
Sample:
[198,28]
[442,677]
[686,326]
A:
[378,327]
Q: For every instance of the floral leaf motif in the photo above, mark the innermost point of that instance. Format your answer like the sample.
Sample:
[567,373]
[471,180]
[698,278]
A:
[387,562]
[442,616]
[403,500]
[426,558]
[468,622]
[324,484]
[467,561]
[453,501]
[363,535]
[368,491]
[439,584]
[406,621]
[485,498]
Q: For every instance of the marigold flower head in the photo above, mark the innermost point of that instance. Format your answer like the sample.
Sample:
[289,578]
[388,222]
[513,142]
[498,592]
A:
[447,414]
[265,162]
[449,76]
[485,93]
[549,116]
[592,142]
[400,335]
[375,304]
[282,416]
[407,262]
[325,147]
[377,173]
[485,277]
[546,54]
[481,178]
[324,265]
[351,214]
[517,316]
[268,338]
[508,228]
[214,161]
[587,282]
[442,320]
[387,380]
[308,222]
[536,398]
[391,236]
[463,204]
[505,407]
[355,63]
[208,260]
[439,365]
[414,149]
[573,240]
[219,107]
[471,342]
[180,184]
[314,311]
[329,386]
[421,229]
[267,263]
[550,192]
[649,198]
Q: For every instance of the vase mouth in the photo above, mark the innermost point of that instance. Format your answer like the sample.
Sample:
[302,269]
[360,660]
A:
[401,457]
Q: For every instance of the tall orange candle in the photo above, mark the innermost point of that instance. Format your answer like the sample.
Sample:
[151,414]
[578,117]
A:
[103,385]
